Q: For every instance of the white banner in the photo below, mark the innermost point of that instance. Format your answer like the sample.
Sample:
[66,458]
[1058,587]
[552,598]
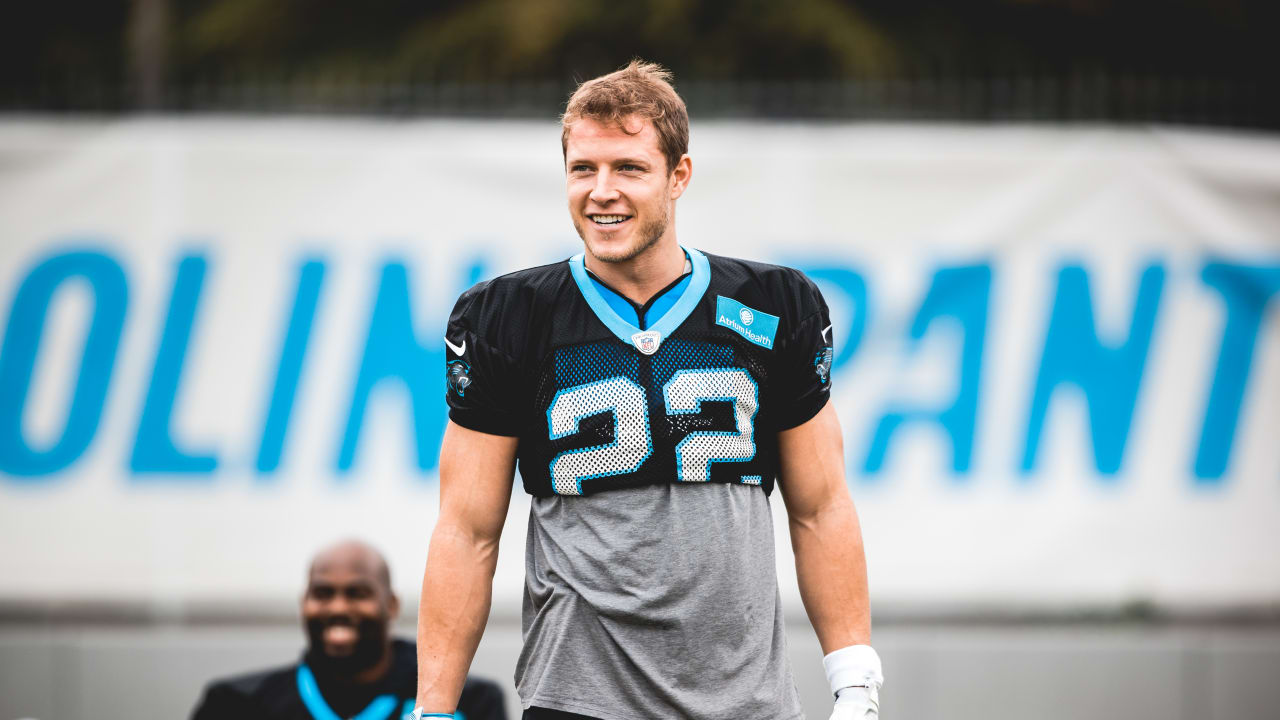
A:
[1057,351]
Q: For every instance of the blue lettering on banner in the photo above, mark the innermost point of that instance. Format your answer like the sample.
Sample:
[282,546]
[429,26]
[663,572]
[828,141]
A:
[1109,373]
[962,294]
[1109,376]
[289,369]
[154,450]
[1246,291]
[756,326]
[392,352]
[22,338]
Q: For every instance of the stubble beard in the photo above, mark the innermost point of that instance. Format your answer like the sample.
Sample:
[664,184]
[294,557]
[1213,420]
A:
[648,235]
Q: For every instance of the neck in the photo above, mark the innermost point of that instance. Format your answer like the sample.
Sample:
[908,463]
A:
[375,672]
[641,277]
[367,676]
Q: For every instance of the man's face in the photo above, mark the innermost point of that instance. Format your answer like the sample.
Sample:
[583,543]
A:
[347,611]
[621,195]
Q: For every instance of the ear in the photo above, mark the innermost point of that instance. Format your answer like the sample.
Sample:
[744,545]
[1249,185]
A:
[393,606]
[680,176]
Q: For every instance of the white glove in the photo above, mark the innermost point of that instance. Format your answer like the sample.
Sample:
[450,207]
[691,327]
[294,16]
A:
[857,703]
[855,678]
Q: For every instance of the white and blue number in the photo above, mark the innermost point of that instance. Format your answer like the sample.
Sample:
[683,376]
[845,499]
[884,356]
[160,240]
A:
[632,443]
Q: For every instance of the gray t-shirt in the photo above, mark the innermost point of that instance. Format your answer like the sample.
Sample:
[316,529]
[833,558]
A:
[655,602]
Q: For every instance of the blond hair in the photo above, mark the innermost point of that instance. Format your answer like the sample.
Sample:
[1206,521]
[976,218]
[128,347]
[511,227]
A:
[641,89]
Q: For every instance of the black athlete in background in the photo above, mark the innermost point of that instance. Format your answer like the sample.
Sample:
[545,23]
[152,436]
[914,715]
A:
[352,668]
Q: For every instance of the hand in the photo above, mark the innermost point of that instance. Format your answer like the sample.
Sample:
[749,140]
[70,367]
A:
[857,703]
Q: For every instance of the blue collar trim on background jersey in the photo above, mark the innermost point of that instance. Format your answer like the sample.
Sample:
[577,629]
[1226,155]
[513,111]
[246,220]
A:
[380,709]
[670,310]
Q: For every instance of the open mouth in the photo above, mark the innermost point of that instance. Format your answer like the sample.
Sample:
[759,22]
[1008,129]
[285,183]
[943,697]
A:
[609,220]
[340,635]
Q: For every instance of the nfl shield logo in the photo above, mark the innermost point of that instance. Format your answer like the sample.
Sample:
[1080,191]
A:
[647,341]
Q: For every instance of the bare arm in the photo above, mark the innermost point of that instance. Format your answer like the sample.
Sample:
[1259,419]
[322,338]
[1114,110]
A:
[475,489]
[826,538]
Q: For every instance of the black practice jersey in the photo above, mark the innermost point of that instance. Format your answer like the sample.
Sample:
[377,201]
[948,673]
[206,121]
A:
[691,388]
[295,693]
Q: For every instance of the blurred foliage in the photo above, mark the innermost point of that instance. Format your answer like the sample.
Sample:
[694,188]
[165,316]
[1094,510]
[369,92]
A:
[71,43]
[513,40]
[505,40]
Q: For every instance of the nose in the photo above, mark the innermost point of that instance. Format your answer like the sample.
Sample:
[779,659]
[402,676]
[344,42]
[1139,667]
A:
[603,192]
[338,604]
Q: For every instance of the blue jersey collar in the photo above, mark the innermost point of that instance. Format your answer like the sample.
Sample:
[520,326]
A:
[686,299]
[381,708]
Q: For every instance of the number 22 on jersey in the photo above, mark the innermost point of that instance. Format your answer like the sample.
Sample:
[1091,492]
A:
[632,442]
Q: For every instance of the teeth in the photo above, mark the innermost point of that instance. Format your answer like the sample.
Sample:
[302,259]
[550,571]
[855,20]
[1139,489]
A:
[608,219]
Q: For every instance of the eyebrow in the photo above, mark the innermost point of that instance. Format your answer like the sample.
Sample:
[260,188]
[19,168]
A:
[330,585]
[618,161]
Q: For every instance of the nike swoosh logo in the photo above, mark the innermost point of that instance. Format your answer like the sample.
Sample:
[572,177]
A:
[457,349]
[824,334]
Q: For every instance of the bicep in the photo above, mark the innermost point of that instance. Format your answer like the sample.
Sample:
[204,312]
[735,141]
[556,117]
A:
[811,464]
[476,471]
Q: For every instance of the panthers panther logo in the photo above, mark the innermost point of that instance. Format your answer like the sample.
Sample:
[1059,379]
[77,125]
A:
[822,365]
[458,375]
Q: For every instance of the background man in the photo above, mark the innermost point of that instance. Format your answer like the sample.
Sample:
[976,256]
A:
[352,668]
[652,395]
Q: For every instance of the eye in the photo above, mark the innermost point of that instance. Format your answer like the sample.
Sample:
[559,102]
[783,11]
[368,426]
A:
[580,168]
[321,593]
[629,167]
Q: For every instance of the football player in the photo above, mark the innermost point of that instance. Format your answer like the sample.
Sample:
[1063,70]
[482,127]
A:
[653,397]
[353,668]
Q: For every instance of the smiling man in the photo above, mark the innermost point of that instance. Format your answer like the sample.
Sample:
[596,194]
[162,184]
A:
[653,396]
[352,668]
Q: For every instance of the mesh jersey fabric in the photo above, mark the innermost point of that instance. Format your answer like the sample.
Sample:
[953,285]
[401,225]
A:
[650,584]
[595,413]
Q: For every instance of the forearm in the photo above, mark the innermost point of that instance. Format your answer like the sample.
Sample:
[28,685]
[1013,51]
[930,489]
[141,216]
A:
[456,591]
[832,573]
